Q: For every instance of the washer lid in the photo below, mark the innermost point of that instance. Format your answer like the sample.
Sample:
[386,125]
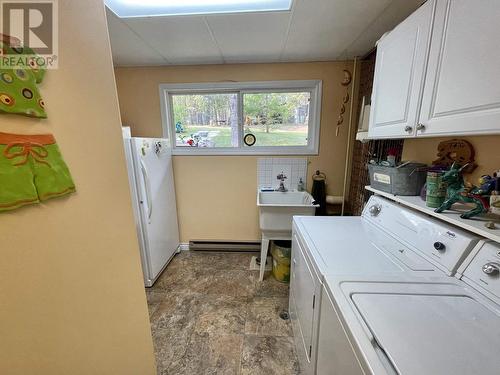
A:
[356,246]
[433,334]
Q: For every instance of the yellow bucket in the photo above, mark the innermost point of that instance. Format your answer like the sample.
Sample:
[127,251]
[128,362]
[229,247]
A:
[281,252]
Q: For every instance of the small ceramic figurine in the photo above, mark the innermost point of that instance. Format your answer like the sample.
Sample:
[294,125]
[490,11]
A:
[495,195]
[486,184]
[457,192]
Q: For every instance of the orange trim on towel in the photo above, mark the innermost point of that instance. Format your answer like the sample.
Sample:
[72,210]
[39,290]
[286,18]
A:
[20,203]
[54,195]
[25,202]
[35,150]
[42,139]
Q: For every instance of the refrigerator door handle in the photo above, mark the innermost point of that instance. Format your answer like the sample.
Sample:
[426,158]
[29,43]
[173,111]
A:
[147,186]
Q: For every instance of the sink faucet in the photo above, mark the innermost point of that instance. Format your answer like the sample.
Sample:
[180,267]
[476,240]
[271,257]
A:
[281,177]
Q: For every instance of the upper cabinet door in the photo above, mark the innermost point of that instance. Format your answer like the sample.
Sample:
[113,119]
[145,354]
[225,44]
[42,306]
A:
[399,76]
[462,87]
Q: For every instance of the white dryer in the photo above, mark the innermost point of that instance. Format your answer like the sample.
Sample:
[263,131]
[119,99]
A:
[387,240]
[412,326]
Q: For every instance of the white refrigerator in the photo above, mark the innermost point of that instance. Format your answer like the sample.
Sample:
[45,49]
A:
[152,188]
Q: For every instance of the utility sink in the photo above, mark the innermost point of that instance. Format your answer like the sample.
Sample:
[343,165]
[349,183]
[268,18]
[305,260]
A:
[276,209]
[276,212]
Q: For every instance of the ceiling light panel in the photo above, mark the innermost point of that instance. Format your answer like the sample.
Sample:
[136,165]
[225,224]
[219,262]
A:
[151,8]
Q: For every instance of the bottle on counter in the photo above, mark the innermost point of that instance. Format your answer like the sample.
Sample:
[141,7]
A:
[495,196]
[495,203]
[300,185]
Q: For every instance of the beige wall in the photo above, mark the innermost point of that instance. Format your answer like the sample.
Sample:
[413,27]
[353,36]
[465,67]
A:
[216,195]
[486,148]
[71,292]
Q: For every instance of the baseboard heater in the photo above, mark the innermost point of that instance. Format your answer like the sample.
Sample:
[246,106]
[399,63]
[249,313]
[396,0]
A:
[214,245]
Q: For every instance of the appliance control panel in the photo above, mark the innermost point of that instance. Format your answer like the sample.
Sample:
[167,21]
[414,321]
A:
[483,271]
[442,244]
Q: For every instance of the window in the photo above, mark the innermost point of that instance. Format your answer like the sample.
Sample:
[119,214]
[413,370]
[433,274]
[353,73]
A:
[205,120]
[265,118]
[277,119]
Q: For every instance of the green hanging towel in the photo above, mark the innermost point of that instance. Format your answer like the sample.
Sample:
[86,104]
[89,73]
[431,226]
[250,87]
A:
[19,92]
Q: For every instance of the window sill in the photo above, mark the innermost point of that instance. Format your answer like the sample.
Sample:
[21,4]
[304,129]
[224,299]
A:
[254,151]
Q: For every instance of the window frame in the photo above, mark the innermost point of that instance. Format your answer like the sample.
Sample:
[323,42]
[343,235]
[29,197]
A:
[314,87]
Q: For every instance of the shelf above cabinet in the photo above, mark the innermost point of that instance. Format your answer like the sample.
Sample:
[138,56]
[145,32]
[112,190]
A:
[475,225]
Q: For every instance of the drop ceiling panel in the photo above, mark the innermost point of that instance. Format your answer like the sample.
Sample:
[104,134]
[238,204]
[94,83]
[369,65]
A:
[250,37]
[127,48]
[324,29]
[394,14]
[181,40]
[315,30]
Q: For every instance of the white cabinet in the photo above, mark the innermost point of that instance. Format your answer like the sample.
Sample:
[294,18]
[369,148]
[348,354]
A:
[335,353]
[462,87]
[399,76]
[448,84]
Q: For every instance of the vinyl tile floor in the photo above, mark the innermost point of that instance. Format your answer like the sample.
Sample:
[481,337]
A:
[210,315]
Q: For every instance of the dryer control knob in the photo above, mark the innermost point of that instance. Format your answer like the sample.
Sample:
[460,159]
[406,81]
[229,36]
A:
[439,246]
[375,210]
[491,268]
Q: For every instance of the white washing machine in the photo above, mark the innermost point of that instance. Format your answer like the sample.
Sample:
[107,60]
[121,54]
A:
[413,326]
[387,240]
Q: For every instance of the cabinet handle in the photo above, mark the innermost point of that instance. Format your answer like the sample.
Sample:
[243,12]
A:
[421,127]
[408,128]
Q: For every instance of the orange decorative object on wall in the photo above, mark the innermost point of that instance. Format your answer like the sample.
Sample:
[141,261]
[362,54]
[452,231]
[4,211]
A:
[457,151]
[346,81]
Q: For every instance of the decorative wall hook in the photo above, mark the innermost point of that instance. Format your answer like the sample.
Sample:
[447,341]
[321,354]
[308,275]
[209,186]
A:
[346,81]
[347,78]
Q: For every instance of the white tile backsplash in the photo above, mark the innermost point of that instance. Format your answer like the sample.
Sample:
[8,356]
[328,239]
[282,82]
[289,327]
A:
[293,168]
